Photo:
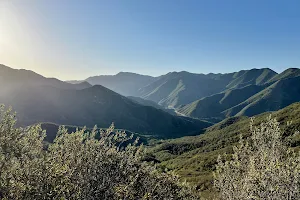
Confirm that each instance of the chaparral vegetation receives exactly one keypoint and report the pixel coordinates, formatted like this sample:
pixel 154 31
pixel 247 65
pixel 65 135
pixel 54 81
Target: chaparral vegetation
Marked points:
pixel 262 167
pixel 78 166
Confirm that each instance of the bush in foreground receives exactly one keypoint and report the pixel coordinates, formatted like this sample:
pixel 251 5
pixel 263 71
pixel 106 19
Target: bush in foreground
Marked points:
pixel 77 166
pixel 262 167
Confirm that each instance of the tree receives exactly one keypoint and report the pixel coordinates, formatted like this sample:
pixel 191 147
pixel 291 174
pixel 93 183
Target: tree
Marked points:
pixel 78 166
pixel 262 167
pixel 21 150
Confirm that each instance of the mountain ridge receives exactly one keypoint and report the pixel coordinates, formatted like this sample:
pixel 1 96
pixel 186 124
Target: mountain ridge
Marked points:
pixel 209 97
pixel 246 100
pixel 38 99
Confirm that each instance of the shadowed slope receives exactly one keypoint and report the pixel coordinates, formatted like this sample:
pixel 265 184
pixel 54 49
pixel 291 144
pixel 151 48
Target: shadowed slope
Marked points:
pixel 96 105
pixel 13 78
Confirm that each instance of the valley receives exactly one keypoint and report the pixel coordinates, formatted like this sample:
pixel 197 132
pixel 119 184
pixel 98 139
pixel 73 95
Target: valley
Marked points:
pixel 149 100
pixel 184 124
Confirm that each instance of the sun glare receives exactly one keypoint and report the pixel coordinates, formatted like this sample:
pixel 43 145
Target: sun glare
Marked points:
pixel 2 40
pixel 2 36
pixel 3 28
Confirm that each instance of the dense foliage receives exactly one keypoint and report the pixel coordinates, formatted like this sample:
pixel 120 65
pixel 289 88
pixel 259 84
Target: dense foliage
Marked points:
pixel 262 167
pixel 194 158
pixel 77 166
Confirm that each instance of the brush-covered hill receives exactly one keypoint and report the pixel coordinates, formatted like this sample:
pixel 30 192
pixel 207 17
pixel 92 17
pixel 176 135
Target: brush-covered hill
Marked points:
pixel 280 91
pixel 194 158
pixel 213 106
pixel 180 88
pixel 288 73
pixel 125 83
pixel 276 96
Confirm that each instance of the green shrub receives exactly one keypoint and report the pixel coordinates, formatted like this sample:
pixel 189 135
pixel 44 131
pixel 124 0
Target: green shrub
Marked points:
pixel 262 167
pixel 78 166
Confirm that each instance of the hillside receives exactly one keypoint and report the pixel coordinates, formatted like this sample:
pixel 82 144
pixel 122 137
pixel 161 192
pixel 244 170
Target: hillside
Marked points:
pixel 96 105
pixel 258 97
pixel 251 77
pixel 194 158
pixel 289 73
pixel 278 95
pixel 212 106
pixel 243 93
pixel 180 88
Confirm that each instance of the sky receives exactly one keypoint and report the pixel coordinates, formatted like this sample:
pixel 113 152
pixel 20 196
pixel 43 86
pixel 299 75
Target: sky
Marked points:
pixel 75 39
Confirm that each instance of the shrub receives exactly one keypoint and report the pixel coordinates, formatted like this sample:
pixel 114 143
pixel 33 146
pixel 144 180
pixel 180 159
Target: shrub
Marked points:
pixel 78 166
pixel 262 167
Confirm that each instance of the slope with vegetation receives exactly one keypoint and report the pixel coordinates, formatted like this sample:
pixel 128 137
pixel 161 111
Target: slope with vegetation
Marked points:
pixel 278 95
pixel 212 97
pixel 194 158
pixel 213 106
pixel 78 166
pixel 94 164
pixel 262 167
pixel 279 92
pixel 288 73
pixel 179 88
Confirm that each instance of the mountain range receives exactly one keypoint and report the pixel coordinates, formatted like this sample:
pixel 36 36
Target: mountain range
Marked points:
pixel 200 115
pixel 171 105
pixel 180 88
pixel 39 99
pixel 124 83
pixel 278 92
pixel 211 97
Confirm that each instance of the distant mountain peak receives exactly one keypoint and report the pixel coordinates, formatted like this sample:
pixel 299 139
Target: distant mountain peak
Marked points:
pixel 121 73
pixel 292 69
pixel 129 74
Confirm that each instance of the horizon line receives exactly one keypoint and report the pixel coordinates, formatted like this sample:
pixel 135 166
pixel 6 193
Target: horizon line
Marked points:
pixel 255 68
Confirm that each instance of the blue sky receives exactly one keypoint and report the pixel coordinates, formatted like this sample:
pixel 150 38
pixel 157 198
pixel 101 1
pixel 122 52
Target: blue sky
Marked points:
pixel 72 39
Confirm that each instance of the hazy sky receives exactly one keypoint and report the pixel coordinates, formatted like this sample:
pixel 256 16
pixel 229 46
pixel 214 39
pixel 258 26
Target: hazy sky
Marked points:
pixel 72 39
